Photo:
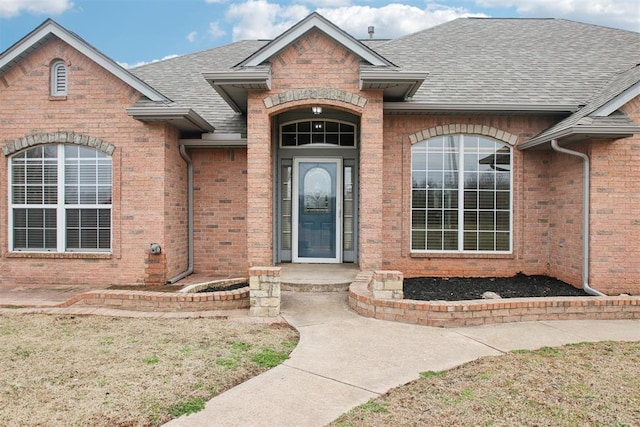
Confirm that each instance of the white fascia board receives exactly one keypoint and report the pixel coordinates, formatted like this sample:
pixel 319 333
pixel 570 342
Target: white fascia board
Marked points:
pixel 615 103
pixel 51 27
pixel 413 80
pixel 438 107
pixel 618 131
pixel 317 21
pixel 260 77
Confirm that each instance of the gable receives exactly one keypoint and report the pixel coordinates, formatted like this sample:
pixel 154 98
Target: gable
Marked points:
pixel 51 30
pixel 314 21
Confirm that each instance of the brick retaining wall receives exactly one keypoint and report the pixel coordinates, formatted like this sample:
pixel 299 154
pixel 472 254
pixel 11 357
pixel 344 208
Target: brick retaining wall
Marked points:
pixel 163 301
pixel 479 312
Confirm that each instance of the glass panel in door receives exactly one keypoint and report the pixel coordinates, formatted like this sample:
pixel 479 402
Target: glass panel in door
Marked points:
pixel 317 209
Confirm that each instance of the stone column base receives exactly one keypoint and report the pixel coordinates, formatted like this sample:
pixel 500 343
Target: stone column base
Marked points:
pixel 264 291
pixel 387 285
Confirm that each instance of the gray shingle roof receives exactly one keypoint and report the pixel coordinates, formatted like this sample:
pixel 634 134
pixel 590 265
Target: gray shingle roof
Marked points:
pixel 514 61
pixel 180 79
pixel 468 61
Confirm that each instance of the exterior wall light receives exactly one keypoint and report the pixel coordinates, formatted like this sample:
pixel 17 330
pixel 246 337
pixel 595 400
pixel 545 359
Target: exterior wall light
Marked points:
pixel 316 110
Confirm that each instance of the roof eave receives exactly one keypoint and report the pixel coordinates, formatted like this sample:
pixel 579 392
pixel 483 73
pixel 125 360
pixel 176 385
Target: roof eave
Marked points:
pixel 233 86
pixel 391 82
pixel 182 118
pixel 604 132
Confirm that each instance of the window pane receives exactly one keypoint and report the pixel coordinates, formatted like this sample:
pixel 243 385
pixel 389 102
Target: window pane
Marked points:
pixel 418 240
pixel 434 240
pixel 419 199
pixel 486 241
pixel 419 218
pixel 419 179
pixel 34 229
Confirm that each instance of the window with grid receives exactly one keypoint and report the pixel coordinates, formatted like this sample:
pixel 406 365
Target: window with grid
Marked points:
pixel 58 78
pixel 461 195
pixel 318 132
pixel 60 199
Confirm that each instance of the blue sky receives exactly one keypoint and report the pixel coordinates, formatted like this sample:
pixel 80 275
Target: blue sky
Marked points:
pixel 139 31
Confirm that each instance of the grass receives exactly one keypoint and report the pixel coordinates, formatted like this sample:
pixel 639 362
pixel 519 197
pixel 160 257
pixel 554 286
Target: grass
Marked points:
pixel 102 371
pixel 595 384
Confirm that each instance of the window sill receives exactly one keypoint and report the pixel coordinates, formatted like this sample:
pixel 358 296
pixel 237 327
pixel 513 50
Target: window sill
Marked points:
pixel 461 255
pixel 57 97
pixel 60 255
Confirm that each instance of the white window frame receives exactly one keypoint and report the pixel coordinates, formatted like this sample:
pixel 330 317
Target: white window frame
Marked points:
pixel 61 210
pixel 460 209
pixel 59 78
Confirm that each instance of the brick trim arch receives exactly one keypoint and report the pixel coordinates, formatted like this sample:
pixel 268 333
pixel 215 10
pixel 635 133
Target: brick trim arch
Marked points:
pixel 315 93
pixel 458 128
pixel 57 138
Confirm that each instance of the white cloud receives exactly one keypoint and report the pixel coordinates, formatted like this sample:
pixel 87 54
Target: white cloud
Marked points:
pixel 48 7
pixel 615 13
pixel 258 19
pixel 191 37
pixel 215 30
pixel 392 20
pixel 138 64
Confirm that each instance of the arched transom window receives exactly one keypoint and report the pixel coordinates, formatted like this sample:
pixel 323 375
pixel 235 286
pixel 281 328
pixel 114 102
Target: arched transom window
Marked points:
pixel 60 199
pixel 461 195
pixel 318 133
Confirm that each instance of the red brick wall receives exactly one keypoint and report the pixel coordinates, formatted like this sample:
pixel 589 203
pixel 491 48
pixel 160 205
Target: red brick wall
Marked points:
pixel 95 106
pixel 175 207
pixel 615 212
pixel 565 217
pixel 220 211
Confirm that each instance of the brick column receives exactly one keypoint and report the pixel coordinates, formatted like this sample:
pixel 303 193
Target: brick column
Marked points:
pixel 259 183
pixel 371 183
pixel 264 291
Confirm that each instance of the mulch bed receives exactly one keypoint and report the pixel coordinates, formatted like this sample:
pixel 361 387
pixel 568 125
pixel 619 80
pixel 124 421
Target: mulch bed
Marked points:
pixel 223 288
pixel 468 288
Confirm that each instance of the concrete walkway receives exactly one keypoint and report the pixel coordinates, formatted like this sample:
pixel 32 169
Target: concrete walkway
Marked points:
pixel 344 360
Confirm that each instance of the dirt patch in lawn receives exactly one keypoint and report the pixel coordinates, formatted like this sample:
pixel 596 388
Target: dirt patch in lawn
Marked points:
pixel 576 385
pixel 467 288
pixel 102 371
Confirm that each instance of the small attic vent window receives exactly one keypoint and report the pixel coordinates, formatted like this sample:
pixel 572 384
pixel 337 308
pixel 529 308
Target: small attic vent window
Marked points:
pixel 58 78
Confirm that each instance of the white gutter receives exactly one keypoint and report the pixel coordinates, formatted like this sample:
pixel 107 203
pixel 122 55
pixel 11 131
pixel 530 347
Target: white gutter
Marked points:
pixel 189 270
pixel 585 216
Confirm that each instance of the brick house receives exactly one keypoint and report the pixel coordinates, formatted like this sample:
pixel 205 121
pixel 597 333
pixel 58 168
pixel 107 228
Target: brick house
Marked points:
pixel 467 149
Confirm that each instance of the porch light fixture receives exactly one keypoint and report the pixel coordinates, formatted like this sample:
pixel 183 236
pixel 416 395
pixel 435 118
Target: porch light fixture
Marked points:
pixel 316 110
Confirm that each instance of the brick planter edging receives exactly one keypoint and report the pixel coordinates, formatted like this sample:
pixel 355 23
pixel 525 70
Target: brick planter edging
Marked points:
pixel 163 301
pixel 448 314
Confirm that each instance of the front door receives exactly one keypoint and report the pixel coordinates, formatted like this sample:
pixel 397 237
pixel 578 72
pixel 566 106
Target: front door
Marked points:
pixel 317 205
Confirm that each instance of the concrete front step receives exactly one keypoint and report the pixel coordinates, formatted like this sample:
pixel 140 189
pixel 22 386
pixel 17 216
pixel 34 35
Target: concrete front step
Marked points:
pixel 317 277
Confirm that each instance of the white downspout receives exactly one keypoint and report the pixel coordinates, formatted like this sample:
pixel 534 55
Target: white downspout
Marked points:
pixel 585 216
pixel 189 270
